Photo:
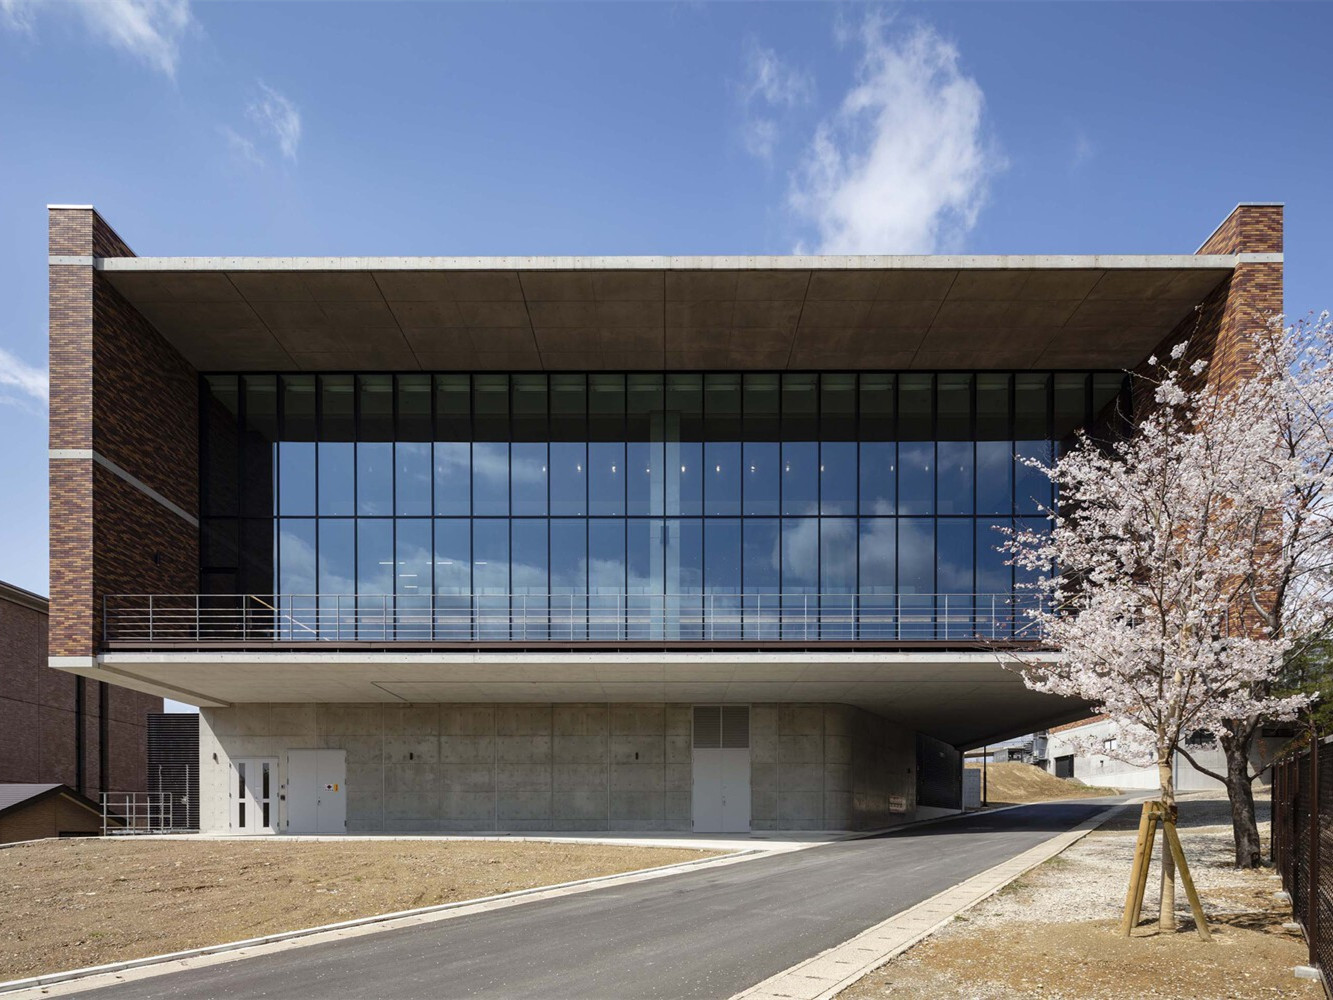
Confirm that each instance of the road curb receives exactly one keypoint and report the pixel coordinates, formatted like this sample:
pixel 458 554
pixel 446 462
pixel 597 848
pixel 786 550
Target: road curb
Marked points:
pixel 97 976
pixel 829 973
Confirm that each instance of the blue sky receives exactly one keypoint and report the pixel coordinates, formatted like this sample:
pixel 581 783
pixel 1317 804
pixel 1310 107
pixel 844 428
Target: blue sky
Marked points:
pixel 421 128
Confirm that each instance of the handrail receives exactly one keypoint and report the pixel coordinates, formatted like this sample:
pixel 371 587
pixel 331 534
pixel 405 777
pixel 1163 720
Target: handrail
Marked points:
pixel 580 616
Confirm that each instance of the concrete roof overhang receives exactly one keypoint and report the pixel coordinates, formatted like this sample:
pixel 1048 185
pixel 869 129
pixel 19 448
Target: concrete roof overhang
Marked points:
pixel 665 313
pixel 965 699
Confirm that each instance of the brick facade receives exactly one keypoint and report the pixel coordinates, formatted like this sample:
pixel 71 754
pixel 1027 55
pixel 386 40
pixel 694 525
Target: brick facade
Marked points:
pixel 120 390
pixel 47 717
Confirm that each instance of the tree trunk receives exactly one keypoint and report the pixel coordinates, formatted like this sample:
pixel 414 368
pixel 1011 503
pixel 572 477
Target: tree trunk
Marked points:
pixel 1166 914
pixel 1240 790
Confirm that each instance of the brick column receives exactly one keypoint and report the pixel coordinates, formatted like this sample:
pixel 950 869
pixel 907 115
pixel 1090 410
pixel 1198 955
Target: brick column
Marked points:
pixel 124 479
pixel 1254 291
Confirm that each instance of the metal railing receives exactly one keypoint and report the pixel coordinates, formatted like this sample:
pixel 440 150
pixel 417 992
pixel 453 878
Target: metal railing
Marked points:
pixel 137 812
pixel 1302 846
pixel 179 618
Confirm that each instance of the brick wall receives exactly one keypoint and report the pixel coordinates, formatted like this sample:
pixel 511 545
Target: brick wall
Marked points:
pixel 119 389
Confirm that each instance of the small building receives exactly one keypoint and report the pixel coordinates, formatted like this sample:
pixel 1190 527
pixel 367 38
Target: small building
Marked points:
pixel 1073 751
pixel 38 811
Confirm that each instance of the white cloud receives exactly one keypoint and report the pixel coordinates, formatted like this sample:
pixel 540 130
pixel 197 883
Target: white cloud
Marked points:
pixel 149 30
pixel 770 89
pixel 275 115
pixel 242 146
pixel 903 165
pixel 1084 150
pixel 21 384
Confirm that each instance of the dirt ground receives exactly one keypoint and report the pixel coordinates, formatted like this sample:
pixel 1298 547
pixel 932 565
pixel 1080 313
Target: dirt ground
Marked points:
pixel 1011 783
pixel 72 904
pixel 1054 933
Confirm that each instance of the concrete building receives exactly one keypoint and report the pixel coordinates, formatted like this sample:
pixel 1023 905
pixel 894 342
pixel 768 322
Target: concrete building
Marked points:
pixel 585 542
pixel 1087 751
pixel 61 728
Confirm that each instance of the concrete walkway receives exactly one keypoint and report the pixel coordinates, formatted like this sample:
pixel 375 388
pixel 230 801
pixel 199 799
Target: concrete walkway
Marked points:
pixel 707 934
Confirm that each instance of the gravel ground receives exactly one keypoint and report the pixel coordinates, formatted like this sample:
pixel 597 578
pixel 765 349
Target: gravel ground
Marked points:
pixel 1054 933
pixel 72 904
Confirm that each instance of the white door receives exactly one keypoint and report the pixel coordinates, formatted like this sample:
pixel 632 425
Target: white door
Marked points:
pixel 722 768
pixel 316 791
pixel 253 781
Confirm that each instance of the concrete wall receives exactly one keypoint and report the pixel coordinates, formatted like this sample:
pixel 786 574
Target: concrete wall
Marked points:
pixel 1094 768
pixel 461 767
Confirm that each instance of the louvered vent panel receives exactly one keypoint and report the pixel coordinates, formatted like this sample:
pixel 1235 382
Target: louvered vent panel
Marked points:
pixel 735 727
pixel 707 727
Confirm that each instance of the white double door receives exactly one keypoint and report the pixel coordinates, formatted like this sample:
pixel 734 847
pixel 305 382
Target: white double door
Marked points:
pixel 721 768
pixel 254 785
pixel 316 791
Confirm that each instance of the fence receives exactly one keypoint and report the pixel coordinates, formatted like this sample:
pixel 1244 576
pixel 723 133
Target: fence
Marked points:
pixel 175 618
pixel 1302 844
pixel 138 812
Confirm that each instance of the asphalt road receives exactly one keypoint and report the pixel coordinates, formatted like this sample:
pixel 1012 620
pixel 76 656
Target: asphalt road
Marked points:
pixel 703 934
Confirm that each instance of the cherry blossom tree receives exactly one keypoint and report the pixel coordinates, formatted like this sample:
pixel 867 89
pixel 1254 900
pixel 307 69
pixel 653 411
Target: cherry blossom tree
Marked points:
pixel 1192 557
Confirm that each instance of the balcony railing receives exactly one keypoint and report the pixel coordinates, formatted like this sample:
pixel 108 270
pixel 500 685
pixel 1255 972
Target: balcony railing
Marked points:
pixel 341 618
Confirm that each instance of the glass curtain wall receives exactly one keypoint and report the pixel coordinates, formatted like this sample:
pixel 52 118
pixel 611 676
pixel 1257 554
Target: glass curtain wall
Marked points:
pixel 633 506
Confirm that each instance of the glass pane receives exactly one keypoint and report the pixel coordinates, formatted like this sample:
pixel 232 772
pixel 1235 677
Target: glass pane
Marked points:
pixel 1071 407
pixel 413 578
pixel 490 577
pixel 722 482
pixel 684 579
pixel 916 578
pixel 995 605
pixel 722 450
pixel 837 578
pixel 527 465
pixel 297 579
pixel 258 450
pixel 800 576
pixel 375 394
pixel 412 452
pixel 490 450
pixel 569 481
pixel 837 453
pixel 956 463
pixel 412 477
pixel 1032 488
pixel 606 478
pixel 879 474
pixel 953 574
pixel 529 407
pixel 569 578
pixel 644 552
pixel 453 477
pixel 220 451
pixel 683 434
pixel 722 578
pixel 606 578
pixel 916 452
pixel 761 566
pixel 337 454
pixel 837 477
pixel 490 478
pixel 453 578
pixel 337 578
pixel 374 578
pixel 877 616
pixel 995 468
pixel 1110 413
pixel 490 556
pixel 645 459
pixel 531 583
pixel 374 477
pixel 296 478
pixel 606 448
